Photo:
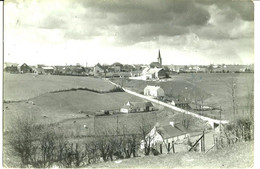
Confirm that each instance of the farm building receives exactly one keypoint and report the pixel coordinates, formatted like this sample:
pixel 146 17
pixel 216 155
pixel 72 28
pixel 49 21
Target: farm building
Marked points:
pixel 181 104
pixel 24 68
pixel 167 134
pixel 130 107
pixel 38 71
pixel 48 69
pixel 154 91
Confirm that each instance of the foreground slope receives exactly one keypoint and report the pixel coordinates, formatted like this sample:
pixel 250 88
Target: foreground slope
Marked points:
pixel 239 155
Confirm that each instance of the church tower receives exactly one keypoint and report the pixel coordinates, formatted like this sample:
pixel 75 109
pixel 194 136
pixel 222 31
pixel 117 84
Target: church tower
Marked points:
pixel 159 58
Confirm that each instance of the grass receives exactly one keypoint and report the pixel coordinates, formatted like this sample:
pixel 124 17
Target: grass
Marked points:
pixel 26 86
pixel 213 87
pixel 239 155
pixel 67 105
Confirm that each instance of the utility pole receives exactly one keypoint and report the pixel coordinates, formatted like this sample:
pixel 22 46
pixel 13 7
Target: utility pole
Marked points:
pixel 117 125
pixel 220 119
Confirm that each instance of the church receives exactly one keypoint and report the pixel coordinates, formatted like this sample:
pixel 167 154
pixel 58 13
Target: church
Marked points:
pixel 154 70
pixel 157 64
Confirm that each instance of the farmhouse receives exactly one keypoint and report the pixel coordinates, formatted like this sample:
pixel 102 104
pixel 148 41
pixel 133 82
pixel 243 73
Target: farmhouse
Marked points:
pixel 167 134
pixel 131 107
pixel 24 68
pixel 154 91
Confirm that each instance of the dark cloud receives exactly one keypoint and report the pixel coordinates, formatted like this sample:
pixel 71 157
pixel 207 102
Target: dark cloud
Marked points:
pixel 245 8
pixel 151 11
pixel 137 21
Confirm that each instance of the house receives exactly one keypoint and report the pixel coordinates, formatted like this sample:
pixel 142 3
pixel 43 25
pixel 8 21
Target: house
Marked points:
pixel 38 71
pixel 24 68
pixel 167 135
pixel 99 69
pixel 153 73
pixel 117 67
pixel 154 91
pixel 131 107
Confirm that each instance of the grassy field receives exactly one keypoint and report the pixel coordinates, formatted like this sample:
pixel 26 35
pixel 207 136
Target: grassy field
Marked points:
pixel 239 155
pixel 26 86
pixel 56 107
pixel 213 88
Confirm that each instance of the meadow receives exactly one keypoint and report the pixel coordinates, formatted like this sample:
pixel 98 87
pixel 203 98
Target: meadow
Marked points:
pixel 26 86
pixel 214 89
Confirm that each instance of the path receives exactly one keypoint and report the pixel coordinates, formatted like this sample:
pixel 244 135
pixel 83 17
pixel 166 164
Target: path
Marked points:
pixel 210 120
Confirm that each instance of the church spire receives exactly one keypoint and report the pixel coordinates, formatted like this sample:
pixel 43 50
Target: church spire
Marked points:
pixel 159 58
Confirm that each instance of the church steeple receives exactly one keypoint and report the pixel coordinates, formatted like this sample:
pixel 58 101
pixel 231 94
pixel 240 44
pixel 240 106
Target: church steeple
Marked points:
pixel 159 58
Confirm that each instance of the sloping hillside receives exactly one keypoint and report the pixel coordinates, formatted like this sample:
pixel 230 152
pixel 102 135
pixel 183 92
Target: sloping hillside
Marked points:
pixel 26 86
pixel 236 156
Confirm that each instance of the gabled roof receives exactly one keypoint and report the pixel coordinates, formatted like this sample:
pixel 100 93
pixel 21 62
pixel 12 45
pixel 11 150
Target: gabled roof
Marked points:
pixel 154 70
pixel 101 67
pixel 169 131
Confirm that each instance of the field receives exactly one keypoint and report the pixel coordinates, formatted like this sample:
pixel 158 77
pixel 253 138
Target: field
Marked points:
pixel 213 88
pixel 26 86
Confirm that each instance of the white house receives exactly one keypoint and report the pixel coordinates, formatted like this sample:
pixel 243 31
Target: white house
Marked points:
pixel 154 91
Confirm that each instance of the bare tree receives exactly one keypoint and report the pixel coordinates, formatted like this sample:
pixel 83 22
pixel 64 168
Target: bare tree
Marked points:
pixel 22 137
pixel 145 128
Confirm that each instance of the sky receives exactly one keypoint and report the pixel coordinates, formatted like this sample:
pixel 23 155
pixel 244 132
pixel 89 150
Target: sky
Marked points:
pixel 59 32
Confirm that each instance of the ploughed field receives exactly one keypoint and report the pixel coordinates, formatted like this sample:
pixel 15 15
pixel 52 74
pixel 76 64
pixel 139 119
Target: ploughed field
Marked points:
pixel 213 88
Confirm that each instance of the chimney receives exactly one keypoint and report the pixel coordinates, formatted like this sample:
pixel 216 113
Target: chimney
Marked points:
pixel 172 123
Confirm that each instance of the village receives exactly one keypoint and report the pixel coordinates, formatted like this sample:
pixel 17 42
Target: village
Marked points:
pixel 152 71
pixel 128 84
pixel 166 135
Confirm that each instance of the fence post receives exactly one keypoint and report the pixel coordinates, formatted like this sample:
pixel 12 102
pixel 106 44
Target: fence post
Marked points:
pixel 161 148
pixel 203 142
pixel 169 147
pixel 173 149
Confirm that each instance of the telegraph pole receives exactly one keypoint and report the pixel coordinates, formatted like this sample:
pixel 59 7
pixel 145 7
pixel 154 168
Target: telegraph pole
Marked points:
pixel 117 125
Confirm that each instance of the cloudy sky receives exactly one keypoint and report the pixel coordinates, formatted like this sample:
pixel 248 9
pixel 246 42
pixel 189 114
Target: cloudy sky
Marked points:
pixel 58 32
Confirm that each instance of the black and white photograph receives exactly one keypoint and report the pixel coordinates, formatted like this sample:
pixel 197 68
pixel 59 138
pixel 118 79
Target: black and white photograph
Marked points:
pixel 128 84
